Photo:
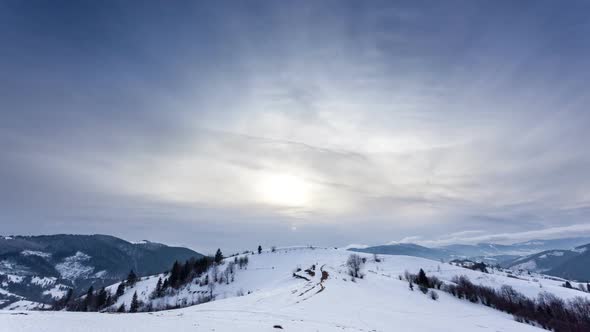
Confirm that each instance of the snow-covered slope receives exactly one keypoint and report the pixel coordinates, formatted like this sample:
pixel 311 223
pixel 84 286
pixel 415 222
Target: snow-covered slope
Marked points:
pixel 378 302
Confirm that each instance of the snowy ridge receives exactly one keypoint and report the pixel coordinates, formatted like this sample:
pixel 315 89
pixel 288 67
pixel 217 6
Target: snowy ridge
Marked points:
pixel 35 253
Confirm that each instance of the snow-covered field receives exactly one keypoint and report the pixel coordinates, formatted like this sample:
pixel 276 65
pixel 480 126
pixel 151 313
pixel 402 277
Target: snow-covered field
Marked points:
pixel 378 302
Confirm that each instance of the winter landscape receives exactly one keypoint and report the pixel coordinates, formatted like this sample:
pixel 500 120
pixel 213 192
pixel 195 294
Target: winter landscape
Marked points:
pixel 308 165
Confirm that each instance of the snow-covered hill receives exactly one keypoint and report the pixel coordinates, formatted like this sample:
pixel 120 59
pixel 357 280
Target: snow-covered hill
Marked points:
pixel 378 302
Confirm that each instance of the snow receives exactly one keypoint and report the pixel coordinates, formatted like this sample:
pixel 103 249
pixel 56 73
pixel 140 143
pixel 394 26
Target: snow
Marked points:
pixel 379 302
pixel 356 246
pixel 73 268
pixel 57 292
pixel 14 278
pixel 528 265
pixel 580 250
pixel 35 253
pixel 43 281
pixel 24 305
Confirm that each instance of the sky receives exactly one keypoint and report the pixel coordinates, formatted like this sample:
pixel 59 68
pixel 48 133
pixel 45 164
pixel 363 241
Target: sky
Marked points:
pixel 228 124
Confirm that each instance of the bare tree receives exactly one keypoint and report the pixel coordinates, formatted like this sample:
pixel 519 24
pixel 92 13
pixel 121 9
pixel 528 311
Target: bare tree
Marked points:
pixel 354 263
pixel 211 287
pixel 215 273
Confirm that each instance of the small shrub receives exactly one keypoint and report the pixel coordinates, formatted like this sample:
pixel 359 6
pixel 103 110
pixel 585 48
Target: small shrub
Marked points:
pixel 433 295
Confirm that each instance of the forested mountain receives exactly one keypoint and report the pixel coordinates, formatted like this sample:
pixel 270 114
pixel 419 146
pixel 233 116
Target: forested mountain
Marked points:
pixel 42 268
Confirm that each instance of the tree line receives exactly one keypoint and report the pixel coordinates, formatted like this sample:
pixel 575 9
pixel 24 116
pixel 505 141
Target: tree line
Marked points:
pixel 546 311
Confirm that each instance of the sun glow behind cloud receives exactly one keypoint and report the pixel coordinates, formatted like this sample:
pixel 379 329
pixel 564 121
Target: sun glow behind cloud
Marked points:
pixel 284 190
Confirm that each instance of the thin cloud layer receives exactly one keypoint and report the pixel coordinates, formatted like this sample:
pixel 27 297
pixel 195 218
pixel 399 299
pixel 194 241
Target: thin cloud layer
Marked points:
pixel 284 123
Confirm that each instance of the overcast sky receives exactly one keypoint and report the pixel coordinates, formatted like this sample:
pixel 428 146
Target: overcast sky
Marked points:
pixel 292 122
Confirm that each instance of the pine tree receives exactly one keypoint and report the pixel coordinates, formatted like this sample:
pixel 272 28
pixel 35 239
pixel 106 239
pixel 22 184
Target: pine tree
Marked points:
pixel 159 285
pixel 89 301
pixel 165 284
pixel 175 274
pixel 121 308
pixel 422 279
pixel 131 278
pixel 159 291
pixel 185 272
pixel 120 289
pixel 101 298
pixel 218 256
pixel 259 249
pixel 134 303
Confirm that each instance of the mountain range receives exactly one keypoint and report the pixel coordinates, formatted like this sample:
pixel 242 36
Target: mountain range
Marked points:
pixel 567 258
pixel 571 264
pixel 43 268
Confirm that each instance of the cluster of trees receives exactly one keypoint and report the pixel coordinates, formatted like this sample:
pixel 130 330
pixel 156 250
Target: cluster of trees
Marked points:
pixel 424 283
pixel 94 300
pixel 204 271
pixel 181 274
pixel 547 311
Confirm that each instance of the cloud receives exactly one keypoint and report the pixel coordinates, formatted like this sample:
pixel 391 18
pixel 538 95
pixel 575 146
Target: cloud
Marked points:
pixel 392 124
pixel 471 237
pixel 408 239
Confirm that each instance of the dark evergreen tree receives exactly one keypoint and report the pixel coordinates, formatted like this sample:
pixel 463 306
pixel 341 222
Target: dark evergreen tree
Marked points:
pixel 159 285
pixel 134 303
pixel 121 308
pixel 101 298
pixel 89 300
pixel 174 279
pixel 218 256
pixel 259 249
pixel 120 289
pixel 158 292
pixel 165 284
pixel 131 278
pixel 422 279
pixel 185 272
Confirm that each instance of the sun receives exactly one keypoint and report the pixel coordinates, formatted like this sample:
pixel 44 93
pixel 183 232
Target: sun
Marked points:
pixel 284 190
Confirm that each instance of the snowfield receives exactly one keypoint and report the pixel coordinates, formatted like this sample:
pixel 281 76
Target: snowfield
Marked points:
pixel 378 302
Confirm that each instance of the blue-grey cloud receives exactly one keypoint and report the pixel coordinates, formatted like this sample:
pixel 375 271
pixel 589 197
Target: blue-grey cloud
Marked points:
pixel 330 122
